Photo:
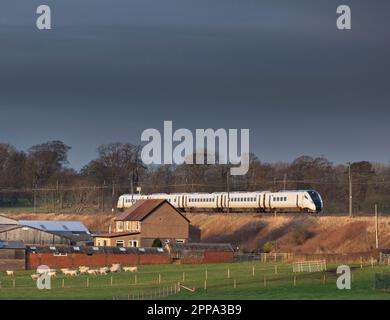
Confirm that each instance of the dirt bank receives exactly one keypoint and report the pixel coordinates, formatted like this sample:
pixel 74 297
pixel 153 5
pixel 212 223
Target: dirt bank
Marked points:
pixel 304 234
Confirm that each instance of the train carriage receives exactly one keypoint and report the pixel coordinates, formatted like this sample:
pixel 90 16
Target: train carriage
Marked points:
pixel 266 201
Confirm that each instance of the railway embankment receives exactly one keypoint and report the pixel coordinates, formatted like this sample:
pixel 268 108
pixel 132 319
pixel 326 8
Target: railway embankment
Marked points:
pixel 253 232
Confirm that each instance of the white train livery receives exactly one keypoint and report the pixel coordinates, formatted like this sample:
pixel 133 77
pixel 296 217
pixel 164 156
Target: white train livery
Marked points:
pixel 263 201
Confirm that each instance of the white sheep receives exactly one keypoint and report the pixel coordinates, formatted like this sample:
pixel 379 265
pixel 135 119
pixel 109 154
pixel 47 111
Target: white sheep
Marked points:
pixel 10 273
pixel 93 272
pixel 115 268
pixel 35 276
pixel 130 269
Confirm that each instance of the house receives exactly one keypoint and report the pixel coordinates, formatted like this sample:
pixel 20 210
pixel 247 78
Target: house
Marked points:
pixel 145 222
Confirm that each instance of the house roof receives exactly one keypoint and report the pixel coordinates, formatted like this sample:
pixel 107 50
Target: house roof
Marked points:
pixel 56 226
pixel 143 208
pixel 115 235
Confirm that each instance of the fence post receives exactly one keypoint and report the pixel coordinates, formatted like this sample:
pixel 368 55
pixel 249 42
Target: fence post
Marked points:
pixel 361 262
pixel 276 269
pixel 253 271
pixel 88 282
pixel 205 284
pixel 228 273
pixel 295 281
pixel 14 283
pixel 265 282
pixel 63 283
pixel 184 276
pixel 159 278
pixel 206 274
pixel 135 279
pixel 111 281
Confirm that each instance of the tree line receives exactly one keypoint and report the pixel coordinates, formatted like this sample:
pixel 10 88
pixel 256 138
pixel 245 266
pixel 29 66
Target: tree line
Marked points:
pixel 41 178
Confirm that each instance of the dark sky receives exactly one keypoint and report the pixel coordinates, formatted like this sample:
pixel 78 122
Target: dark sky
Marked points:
pixel 110 69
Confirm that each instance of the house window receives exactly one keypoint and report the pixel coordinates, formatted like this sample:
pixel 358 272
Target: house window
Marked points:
pixel 133 243
pixel 120 243
pixel 180 241
pixel 119 226
pixel 138 226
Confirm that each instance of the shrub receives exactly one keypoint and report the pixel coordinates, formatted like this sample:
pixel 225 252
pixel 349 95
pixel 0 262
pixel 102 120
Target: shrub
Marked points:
pixel 157 243
pixel 268 246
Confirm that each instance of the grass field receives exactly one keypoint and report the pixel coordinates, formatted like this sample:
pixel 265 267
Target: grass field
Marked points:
pixel 242 284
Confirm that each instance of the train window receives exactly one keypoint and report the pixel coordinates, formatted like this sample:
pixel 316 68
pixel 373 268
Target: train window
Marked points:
pixel 285 198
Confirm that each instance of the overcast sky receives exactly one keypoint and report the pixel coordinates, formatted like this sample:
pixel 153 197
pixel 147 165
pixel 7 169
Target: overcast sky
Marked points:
pixel 110 69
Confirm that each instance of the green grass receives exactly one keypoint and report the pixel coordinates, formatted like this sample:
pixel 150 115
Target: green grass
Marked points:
pixel 278 286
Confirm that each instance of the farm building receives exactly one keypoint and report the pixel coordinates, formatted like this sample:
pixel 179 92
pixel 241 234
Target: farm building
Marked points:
pixel 144 222
pixel 73 256
pixel 44 232
pixel 30 235
pixel 196 253
pixel 12 255
pixel 74 231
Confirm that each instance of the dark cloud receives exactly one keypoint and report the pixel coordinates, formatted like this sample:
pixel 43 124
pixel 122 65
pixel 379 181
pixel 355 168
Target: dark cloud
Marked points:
pixel 108 70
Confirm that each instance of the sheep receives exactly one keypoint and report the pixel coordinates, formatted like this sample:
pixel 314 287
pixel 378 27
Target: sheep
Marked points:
pixel 83 270
pixel 130 269
pixel 10 273
pixel 93 272
pixel 35 276
pixel 72 273
pixel 115 268
pixel 64 270
pixel 52 274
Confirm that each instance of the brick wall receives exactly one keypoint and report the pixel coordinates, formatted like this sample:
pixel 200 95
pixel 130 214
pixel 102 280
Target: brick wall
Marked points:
pixel 74 260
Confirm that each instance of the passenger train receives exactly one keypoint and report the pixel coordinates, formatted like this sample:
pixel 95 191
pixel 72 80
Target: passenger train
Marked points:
pixel 262 201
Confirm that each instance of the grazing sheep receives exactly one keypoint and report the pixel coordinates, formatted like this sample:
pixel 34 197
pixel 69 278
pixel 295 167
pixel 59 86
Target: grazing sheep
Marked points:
pixel 65 270
pixel 10 273
pixel 93 272
pixel 72 273
pixel 115 268
pixel 35 276
pixel 52 274
pixel 130 269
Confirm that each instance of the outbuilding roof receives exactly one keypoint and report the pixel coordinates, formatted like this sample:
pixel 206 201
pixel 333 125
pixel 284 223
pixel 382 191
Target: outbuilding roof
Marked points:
pixel 93 250
pixel 56 226
pixel 143 208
